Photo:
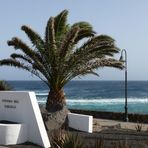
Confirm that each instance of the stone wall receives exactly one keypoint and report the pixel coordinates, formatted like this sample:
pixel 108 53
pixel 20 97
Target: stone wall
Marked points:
pixel 113 115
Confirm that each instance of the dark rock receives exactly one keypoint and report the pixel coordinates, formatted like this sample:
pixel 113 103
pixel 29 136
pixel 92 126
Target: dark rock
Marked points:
pixel 55 120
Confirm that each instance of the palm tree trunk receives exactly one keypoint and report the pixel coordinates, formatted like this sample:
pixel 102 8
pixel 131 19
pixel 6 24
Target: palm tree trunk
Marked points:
pixel 56 100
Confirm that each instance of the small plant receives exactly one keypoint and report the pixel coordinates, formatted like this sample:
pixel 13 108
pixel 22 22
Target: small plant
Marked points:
pixel 63 140
pixel 57 137
pixel 138 127
pixel 72 141
pixel 147 129
pixel 121 144
pixel 99 143
pixel 4 86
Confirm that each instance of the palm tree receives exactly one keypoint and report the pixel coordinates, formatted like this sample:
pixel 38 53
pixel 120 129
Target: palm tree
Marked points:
pixel 61 56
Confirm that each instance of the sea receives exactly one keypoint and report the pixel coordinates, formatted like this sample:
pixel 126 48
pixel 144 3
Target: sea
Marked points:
pixel 94 95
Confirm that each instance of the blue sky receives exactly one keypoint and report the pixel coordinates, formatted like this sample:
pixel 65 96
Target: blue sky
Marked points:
pixel 126 21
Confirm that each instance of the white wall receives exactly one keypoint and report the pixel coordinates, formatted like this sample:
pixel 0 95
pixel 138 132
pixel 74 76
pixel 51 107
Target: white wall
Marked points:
pixel 13 134
pixel 23 107
pixel 80 122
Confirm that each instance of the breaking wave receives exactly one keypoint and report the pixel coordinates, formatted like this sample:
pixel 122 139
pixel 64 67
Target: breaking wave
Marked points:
pixel 42 99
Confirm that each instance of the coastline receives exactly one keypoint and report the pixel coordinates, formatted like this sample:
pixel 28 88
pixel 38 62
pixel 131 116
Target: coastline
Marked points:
pixel 94 95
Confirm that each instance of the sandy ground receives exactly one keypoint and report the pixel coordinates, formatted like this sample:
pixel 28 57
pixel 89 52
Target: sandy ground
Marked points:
pixel 101 124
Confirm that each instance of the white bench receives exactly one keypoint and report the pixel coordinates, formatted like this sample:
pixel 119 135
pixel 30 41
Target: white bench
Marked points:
pixel 80 122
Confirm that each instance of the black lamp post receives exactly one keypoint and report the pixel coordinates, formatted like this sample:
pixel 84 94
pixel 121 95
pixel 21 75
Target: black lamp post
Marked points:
pixel 125 61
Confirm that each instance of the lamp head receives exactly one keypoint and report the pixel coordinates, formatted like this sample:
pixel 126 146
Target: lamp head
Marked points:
pixel 121 58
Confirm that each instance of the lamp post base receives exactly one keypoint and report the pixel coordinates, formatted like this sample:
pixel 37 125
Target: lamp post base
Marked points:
pixel 126 112
pixel 126 119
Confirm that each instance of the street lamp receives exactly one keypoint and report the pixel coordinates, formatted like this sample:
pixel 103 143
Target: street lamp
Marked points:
pixel 125 61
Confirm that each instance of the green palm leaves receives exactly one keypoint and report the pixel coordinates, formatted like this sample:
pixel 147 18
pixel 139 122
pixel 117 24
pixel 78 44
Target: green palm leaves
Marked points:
pixel 59 57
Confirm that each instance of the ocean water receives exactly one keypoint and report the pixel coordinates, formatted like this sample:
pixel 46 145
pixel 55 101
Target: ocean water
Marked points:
pixel 94 95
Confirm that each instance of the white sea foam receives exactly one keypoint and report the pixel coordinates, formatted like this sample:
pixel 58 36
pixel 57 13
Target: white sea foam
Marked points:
pixel 103 101
pixel 41 101
pixel 41 94
pixel 107 101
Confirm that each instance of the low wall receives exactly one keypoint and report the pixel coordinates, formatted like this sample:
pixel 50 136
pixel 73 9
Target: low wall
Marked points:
pixel 12 134
pixel 80 122
pixel 113 115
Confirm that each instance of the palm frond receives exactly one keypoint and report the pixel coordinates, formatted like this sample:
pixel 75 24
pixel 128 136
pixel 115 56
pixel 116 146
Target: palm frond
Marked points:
pixel 40 67
pixel 83 25
pixel 69 40
pixel 60 24
pixel 94 64
pixel 91 51
pixel 86 31
pixel 35 65
pixel 89 67
pixel 96 47
pixel 50 33
pixel 17 64
pixel 98 41
pixel 18 44
pixel 106 62
pixel 14 63
pixel 20 56
pixel 33 36
pixel 50 42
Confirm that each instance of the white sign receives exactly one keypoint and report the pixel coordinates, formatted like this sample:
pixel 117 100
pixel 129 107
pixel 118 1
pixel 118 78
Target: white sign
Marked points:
pixel 22 107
